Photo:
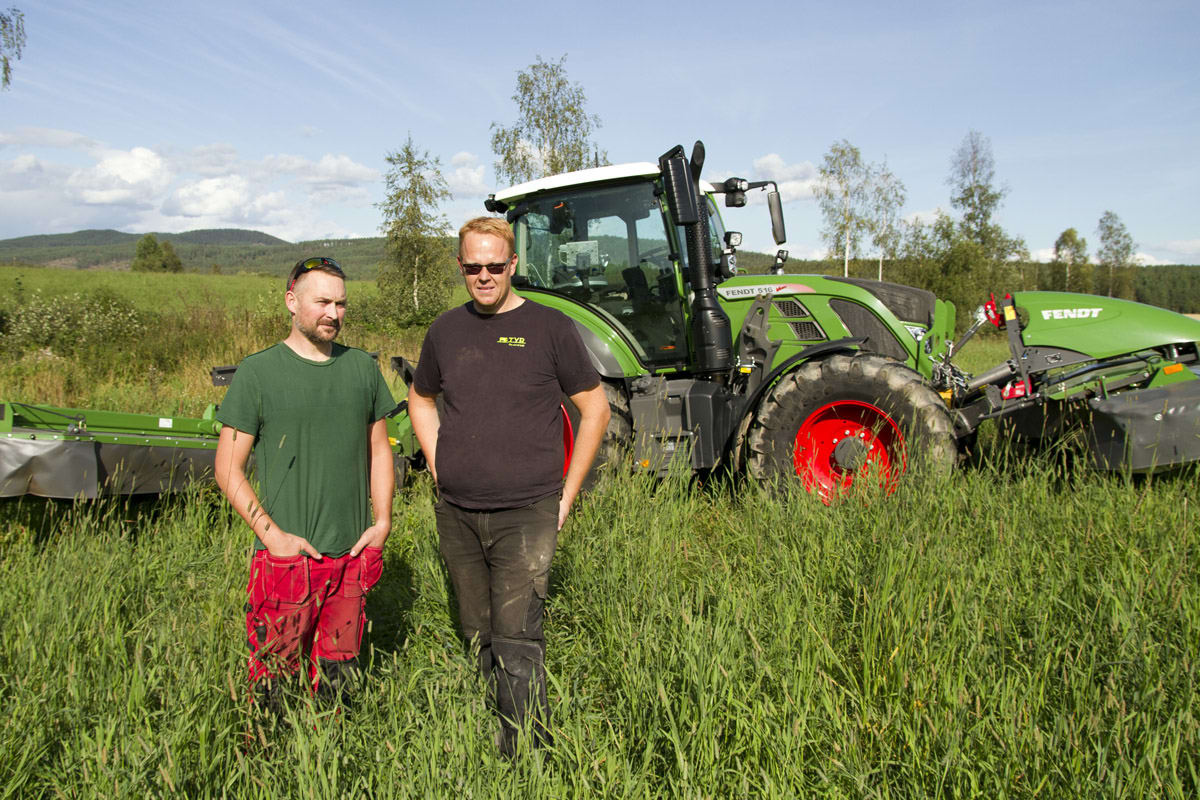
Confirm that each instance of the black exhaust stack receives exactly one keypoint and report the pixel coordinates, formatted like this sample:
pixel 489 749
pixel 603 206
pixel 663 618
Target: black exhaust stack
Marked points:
pixel 712 335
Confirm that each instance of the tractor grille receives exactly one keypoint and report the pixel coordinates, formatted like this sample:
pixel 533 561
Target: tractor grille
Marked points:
pixel 806 331
pixel 791 308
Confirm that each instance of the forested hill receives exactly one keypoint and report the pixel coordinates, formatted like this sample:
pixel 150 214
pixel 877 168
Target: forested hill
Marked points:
pixel 226 250
pixel 231 251
pixel 108 236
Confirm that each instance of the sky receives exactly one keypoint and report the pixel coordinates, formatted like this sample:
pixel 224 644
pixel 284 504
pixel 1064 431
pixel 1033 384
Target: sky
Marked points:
pixel 278 116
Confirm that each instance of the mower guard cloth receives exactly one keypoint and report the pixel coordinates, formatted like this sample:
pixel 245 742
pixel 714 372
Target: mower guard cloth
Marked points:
pixel 47 466
pixel 1146 430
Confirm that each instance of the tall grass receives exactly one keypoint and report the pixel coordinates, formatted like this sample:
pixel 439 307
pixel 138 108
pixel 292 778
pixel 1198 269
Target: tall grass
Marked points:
pixel 1016 629
pixel 138 345
pixel 1008 632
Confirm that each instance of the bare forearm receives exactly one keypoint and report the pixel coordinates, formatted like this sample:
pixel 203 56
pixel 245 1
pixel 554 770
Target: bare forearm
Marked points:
pixel 587 443
pixel 245 502
pixel 382 475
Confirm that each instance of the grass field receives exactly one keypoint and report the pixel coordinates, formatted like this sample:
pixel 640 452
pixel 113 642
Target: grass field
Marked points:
pixel 1017 629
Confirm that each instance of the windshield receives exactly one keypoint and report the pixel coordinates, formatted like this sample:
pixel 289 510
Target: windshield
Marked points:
pixel 608 247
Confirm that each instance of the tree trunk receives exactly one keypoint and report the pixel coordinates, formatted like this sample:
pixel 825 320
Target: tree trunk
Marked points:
pixel 416 302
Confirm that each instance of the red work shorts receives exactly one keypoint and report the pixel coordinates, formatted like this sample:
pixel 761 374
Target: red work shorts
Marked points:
pixel 299 608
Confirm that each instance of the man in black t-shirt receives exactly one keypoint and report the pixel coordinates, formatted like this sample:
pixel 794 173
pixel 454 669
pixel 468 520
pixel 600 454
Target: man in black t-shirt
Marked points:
pixel 501 365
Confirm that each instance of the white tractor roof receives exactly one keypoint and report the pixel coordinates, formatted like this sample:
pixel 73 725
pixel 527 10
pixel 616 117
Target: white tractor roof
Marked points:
pixel 637 169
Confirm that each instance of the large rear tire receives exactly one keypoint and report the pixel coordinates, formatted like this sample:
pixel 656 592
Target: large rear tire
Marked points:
pixel 848 418
pixel 618 436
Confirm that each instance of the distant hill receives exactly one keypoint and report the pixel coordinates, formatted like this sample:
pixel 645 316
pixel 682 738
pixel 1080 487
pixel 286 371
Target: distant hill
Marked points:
pixel 225 250
pixel 108 236
pixel 233 250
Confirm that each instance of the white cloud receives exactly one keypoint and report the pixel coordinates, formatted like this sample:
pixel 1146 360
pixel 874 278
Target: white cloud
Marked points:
pixel 211 186
pixel 339 170
pixel 466 176
pixel 135 177
pixel 227 197
pixel 1042 254
pixel 1147 260
pixel 796 181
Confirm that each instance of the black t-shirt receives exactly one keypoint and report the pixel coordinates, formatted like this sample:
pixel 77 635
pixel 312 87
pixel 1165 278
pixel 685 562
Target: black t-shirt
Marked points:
pixel 502 377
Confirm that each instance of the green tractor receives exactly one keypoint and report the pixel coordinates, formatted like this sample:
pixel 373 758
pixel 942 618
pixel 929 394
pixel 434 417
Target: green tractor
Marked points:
pixel 810 379
pixel 819 379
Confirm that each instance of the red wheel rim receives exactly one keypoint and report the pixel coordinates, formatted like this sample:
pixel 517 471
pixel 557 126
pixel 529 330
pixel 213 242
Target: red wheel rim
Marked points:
pixel 845 440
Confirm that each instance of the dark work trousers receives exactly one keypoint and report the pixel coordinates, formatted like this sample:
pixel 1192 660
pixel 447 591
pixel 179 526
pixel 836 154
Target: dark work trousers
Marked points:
pixel 499 562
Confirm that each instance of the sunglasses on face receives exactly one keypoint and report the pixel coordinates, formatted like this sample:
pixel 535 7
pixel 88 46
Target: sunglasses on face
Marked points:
pixel 309 264
pixel 475 269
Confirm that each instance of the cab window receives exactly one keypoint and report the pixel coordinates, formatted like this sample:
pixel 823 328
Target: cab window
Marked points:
pixel 608 247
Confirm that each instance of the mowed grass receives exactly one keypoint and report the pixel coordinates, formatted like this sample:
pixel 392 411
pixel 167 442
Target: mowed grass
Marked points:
pixel 1016 629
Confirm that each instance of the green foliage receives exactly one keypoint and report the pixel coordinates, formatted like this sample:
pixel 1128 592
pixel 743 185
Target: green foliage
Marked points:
pixel 170 259
pixel 1070 271
pixel 1173 287
pixel 886 198
pixel 973 192
pixel 152 256
pixel 843 193
pixel 1116 274
pixel 148 257
pixel 416 277
pixel 553 131
pixel 73 324
pixel 12 41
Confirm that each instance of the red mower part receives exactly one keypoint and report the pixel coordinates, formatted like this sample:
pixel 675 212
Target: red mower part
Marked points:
pixel 568 438
pixel 843 440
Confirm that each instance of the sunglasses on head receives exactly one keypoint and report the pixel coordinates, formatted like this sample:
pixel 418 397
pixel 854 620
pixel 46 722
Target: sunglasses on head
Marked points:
pixel 309 264
pixel 475 269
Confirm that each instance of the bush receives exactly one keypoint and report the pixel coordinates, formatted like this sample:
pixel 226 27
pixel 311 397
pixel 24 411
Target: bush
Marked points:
pixel 69 324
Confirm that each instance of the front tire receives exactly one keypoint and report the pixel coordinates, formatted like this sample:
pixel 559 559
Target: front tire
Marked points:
pixel 848 418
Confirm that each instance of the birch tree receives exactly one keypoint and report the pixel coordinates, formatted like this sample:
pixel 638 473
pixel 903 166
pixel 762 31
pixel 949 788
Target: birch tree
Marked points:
pixel 553 131
pixel 416 277
pixel 842 192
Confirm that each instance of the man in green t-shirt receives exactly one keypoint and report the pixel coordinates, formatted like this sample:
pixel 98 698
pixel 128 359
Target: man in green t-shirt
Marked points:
pixel 313 413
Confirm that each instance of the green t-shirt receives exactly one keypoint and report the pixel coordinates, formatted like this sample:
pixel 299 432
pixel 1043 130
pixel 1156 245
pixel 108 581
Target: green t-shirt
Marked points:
pixel 310 421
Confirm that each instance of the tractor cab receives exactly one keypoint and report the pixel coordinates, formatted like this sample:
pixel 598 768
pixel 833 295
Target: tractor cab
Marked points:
pixel 603 238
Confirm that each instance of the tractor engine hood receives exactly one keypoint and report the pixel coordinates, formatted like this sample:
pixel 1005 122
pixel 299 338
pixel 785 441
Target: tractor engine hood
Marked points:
pixel 1100 327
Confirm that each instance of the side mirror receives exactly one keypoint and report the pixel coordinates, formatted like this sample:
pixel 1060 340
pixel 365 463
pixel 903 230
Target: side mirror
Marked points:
pixel 776 206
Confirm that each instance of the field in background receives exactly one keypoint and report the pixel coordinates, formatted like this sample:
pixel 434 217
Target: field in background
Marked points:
pixel 1019 629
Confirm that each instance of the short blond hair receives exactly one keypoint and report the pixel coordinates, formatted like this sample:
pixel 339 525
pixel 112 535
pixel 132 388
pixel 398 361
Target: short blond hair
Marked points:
pixel 490 226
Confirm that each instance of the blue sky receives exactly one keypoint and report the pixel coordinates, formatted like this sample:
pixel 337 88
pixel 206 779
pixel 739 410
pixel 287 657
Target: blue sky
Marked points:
pixel 278 116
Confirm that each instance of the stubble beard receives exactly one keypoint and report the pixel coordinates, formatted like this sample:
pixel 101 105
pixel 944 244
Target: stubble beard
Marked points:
pixel 316 335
